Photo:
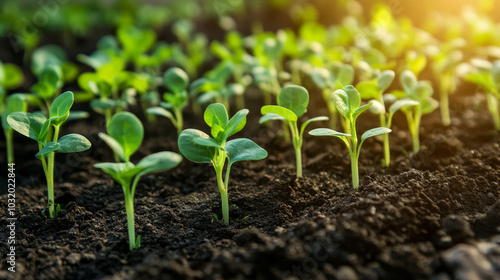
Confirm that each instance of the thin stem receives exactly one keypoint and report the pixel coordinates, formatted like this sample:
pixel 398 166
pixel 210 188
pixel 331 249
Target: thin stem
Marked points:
pixel 129 208
pixel 223 186
pixel 297 145
pixel 179 120
pixel 10 145
pixel 354 155
pixel 50 176
pixel 493 108
pixel 444 99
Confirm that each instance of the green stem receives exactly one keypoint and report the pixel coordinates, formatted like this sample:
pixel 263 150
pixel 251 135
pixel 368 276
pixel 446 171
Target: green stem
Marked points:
pixel 223 186
pixel 354 155
pixel 129 208
pixel 50 176
pixel 10 145
pixel 385 138
pixel 297 145
pixel 444 101
pixel 179 119
pixel 493 108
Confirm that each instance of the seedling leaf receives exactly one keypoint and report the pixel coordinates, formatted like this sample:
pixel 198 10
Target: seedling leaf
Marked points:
pixel 244 149
pixel 328 132
pixel 48 148
pixel 216 114
pixel 161 161
pixel 295 98
pixel 287 114
pixel 73 143
pixel 271 117
pixel 374 132
pixel 128 131
pixel 59 110
pixel 27 124
pixel 113 144
pixel 193 151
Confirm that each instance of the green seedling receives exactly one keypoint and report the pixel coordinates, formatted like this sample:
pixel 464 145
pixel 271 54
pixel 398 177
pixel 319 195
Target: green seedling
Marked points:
pixel 292 104
pixel 199 147
pixel 488 78
pixel 192 50
pixel 374 89
pixel 15 103
pixel 135 42
pixel 125 137
pixel 39 128
pixel 348 101
pixel 421 92
pixel 176 81
pixel 329 81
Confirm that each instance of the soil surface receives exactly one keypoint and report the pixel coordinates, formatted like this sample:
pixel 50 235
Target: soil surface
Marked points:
pixel 431 215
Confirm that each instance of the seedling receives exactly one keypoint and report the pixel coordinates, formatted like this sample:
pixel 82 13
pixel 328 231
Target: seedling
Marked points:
pixel 374 89
pixel 488 78
pixel 176 81
pixel 125 137
pixel 420 91
pixel 329 81
pixel 15 103
pixel 199 147
pixel 38 128
pixel 135 41
pixel 292 104
pixel 348 101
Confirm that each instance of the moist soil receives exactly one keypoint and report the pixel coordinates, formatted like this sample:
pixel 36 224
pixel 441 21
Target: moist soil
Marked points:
pixel 430 215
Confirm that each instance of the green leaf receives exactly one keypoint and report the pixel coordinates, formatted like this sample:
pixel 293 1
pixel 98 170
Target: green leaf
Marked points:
pixel 236 123
pixel 341 102
pixel 59 110
pixel 422 91
pixel 113 144
pixel 78 115
pixel 51 75
pixel 408 81
pixel 48 148
pixel 101 105
pixel 368 89
pixel 43 89
pixel 13 76
pixel 109 72
pixel 271 117
pixel 192 151
pixel 73 143
pixel 243 149
pixel 328 132
pixel 321 77
pixel 374 132
pixel 127 130
pixel 287 114
pixel 360 110
pixel 161 161
pixel 401 104
pixel 345 75
pixel 429 105
pixel 27 124
pixel 208 142
pixel 316 119
pixel 216 114
pixel 385 80
pixel 114 169
pixel 176 80
pixel 377 107
pixel 161 112
pixel 353 97
pixel 295 98
pixel 15 103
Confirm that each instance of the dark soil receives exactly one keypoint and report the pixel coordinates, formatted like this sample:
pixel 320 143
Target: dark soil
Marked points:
pixel 431 215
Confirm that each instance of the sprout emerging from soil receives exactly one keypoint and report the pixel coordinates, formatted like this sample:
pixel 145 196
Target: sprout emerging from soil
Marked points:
pixel 39 128
pixel 125 137
pixel 198 147
pixel 348 101
pixel 292 104
pixel 176 81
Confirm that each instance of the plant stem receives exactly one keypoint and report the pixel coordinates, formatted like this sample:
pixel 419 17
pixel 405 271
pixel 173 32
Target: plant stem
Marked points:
pixel 493 107
pixel 179 119
pixel 444 100
pixel 354 155
pixel 297 145
pixel 223 186
pixel 50 176
pixel 129 208
pixel 10 145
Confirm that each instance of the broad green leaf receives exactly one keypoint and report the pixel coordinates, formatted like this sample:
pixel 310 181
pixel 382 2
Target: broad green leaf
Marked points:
pixel 176 80
pixel 78 115
pixel 360 110
pixel 27 124
pixel 48 148
pixel 192 151
pixel 208 142
pixel 345 76
pixel 85 79
pixel 216 114
pixel 84 96
pixel 127 130
pixel 110 71
pixel 287 114
pixel 341 102
pixel 422 91
pixel 385 79
pixel 321 77
pixel 429 105
pixel 43 89
pixel 408 81
pixel 73 143
pixel 114 169
pixel 101 105
pixel 374 132
pixel 316 119
pixel 218 133
pixel 13 76
pixel 113 144
pixel 328 132
pixel 59 109
pixel 48 55
pixel 271 117
pixel 161 161
pixel 353 98
pixel 295 98
pixel 52 76
pixel 368 90
pixel 401 104
pixel 236 123
pixel 15 103
pixel 243 149
pixel 69 72
pixel 161 112
pixel 377 107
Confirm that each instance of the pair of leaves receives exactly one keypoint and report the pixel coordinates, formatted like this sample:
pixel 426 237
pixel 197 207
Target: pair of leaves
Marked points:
pixel 176 80
pixel 125 135
pixel 340 76
pixel 70 143
pixel 374 88
pixel 216 118
pixel 348 101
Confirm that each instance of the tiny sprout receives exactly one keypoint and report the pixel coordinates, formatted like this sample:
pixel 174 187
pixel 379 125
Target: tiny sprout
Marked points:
pixel 292 104
pixel 348 101
pixel 38 128
pixel 125 137
pixel 198 147
pixel 176 81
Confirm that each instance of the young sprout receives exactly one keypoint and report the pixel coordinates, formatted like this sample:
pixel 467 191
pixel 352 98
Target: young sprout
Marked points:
pixel 39 128
pixel 374 89
pixel 329 81
pixel 420 91
pixel 15 103
pixel 125 137
pixel 348 101
pixel 488 78
pixel 198 147
pixel 135 42
pixel 176 81
pixel 292 104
